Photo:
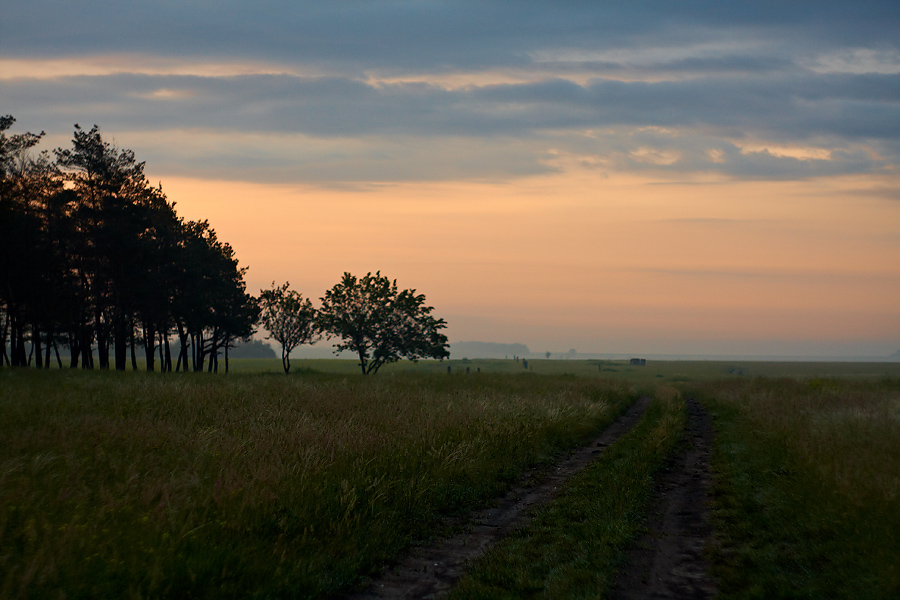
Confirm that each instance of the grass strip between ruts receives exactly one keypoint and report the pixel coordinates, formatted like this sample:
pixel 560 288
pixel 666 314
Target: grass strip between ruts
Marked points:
pixel 574 545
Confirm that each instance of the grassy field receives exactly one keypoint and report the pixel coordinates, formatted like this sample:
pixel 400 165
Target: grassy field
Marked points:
pixel 134 485
pixel 807 488
pixel 672 371
pixel 654 372
pixel 148 485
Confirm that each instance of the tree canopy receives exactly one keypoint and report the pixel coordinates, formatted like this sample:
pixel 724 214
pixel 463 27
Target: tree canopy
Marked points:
pixel 95 258
pixel 380 323
pixel 290 319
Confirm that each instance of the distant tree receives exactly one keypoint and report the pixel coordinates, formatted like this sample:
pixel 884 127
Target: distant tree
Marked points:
pixel 253 349
pixel 290 320
pixel 381 324
pixel 547 354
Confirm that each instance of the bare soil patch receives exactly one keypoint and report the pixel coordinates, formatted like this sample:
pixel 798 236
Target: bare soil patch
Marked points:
pixel 670 560
pixel 430 571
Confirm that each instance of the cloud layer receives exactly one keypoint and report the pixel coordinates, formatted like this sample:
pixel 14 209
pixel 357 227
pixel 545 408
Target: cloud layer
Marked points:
pixel 364 91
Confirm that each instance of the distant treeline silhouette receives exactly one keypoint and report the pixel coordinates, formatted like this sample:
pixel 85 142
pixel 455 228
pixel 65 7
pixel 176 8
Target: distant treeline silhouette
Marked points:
pixel 94 259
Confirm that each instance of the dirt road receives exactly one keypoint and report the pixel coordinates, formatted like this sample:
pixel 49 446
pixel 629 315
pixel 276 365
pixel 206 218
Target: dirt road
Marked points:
pixel 429 572
pixel 669 561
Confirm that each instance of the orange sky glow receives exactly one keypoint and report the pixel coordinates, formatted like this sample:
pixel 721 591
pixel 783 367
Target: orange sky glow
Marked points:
pixel 662 178
pixel 601 263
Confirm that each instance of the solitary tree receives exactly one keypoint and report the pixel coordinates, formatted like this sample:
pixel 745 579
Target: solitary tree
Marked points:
pixel 381 324
pixel 290 319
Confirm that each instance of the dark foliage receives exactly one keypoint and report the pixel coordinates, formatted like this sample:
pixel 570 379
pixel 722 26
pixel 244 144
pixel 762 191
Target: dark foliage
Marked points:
pixel 290 319
pixel 95 259
pixel 380 323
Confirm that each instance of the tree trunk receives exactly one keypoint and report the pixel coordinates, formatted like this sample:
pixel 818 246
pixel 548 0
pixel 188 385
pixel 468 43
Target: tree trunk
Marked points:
pixel 150 347
pixel 162 356
pixel 168 361
pixel 213 353
pixel 182 353
pixel 134 366
pixel 12 339
pixel 198 351
pixel 4 359
pixel 36 348
pixel 120 342
pixel 87 353
pixel 20 359
pixel 102 340
pixel 74 350
pixel 362 363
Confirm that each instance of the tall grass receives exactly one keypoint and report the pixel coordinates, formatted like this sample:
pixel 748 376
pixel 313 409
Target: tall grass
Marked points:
pixel 807 481
pixel 574 544
pixel 135 485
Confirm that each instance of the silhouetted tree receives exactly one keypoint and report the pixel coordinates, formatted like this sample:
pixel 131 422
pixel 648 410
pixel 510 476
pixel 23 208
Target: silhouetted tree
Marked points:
pixel 112 217
pixel 381 324
pixel 92 254
pixel 208 282
pixel 26 251
pixel 236 312
pixel 290 320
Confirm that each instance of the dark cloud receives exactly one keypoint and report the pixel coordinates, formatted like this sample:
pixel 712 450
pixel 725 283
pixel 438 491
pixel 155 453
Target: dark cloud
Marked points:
pixel 428 35
pixel 831 113
pixel 597 81
pixel 847 106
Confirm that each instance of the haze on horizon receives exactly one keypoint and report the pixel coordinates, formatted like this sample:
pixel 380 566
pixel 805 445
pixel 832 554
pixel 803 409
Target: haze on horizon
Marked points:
pixel 690 178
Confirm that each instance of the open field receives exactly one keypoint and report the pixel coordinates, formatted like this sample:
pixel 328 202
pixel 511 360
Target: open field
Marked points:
pixel 806 488
pixel 673 371
pixel 654 372
pixel 132 484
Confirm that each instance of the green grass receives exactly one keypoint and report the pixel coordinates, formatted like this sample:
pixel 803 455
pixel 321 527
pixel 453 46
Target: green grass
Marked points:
pixel 134 485
pixel 807 488
pixel 655 371
pixel 674 371
pixel 573 546
pixel 257 484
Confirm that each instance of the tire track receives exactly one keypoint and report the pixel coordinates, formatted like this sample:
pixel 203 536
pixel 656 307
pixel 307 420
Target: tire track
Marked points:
pixel 670 560
pixel 430 572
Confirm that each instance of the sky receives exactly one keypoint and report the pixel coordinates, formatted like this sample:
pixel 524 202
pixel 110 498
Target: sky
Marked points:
pixel 643 177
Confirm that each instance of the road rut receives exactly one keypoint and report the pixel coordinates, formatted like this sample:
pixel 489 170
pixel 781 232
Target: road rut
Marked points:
pixel 670 559
pixel 430 572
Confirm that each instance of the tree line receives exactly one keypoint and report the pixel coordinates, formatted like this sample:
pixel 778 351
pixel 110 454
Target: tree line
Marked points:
pixel 94 260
